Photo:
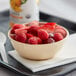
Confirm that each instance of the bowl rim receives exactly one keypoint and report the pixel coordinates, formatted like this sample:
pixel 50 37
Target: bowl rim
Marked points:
pixel 39 44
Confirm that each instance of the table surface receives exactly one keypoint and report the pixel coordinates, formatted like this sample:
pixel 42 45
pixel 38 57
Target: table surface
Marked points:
pixel 4 28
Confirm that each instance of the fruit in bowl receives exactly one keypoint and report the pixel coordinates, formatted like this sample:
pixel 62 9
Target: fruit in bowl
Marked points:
pixel 38 40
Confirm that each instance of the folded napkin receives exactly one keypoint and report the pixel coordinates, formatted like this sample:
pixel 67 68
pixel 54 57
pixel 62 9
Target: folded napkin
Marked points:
pixel 64 56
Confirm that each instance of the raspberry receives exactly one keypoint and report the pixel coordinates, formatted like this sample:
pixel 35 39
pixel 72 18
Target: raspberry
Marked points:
pixel 33 40
pixel 33 30
pixel 29 35
pixel 16 26
pixel 49 40
pixel 50 27
pixel 58 37
pixel 21 38
pixel 61 30
pixel 43 34
pixel 20 31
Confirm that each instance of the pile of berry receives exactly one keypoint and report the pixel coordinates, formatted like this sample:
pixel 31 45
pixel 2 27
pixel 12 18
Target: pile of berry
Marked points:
pixel 37 33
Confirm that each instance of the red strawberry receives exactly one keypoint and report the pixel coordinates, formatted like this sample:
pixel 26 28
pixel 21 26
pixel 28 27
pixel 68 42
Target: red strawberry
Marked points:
pixel 16 26
pixel 21 38
pixel 49 40
pixel 27 27
pixel 39 40
pixel 34 23
pixel 21 35
pixel 29 35
pixel 60 30
pixel 58 27
pixel 12 36
pixel 43 34
pixel 41 23
pixel 12 31
pixel 50 27
pixel 33 40
pixel 58 37
pixel 33 30
pixel 20 31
